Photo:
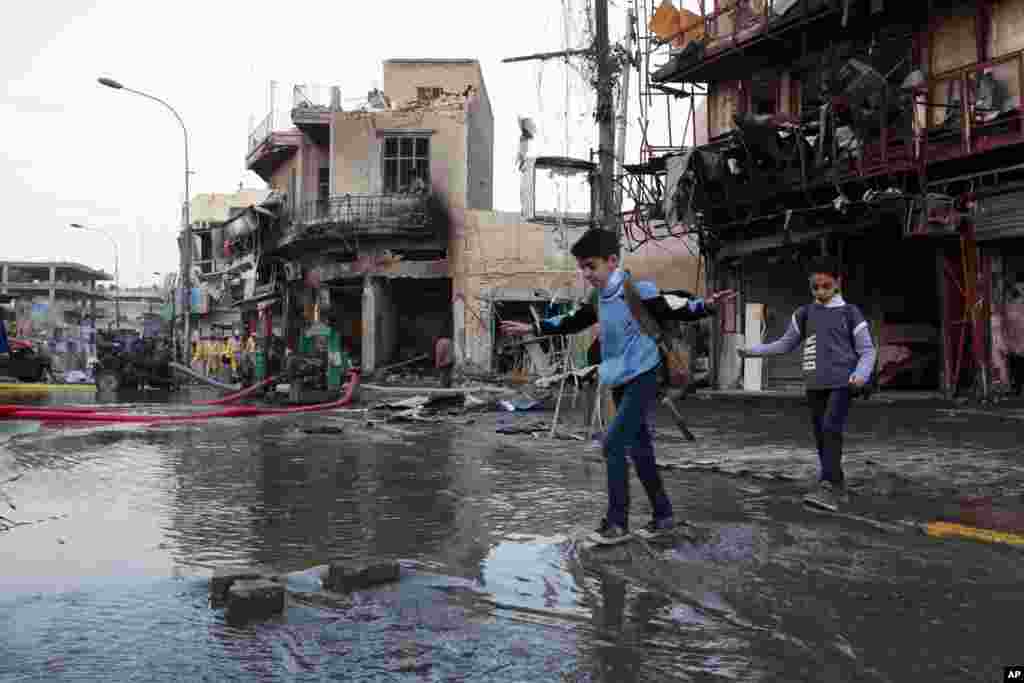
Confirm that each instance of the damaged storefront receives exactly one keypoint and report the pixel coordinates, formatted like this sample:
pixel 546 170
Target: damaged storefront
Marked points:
pixel 999 226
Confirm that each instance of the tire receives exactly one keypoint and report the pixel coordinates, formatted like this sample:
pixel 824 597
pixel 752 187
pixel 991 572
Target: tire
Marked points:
pixel 108 381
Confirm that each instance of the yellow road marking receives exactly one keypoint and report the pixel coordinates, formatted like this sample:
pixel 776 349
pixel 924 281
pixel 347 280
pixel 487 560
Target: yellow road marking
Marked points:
pixel 47 387
pixel 948 529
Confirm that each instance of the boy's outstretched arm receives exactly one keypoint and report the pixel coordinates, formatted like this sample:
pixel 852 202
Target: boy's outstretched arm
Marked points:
pixel 784 344
pixel 570 323
pixel 681 305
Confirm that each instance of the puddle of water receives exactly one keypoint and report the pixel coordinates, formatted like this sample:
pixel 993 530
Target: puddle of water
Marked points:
pixel 498 591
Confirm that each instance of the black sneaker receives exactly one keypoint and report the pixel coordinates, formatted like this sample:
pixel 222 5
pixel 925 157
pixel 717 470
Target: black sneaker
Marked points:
pixel 610 534
pixel 656 528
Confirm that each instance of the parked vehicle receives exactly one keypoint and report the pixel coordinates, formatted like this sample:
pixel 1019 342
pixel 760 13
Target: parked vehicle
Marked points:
pixel 126 360
pixel 26 362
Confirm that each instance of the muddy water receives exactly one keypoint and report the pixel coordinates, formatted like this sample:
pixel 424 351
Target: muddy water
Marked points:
pixel 108 580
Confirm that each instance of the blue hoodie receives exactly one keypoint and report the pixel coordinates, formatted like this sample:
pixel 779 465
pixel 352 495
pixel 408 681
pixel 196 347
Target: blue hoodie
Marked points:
pixel 4 346
pixel 626 352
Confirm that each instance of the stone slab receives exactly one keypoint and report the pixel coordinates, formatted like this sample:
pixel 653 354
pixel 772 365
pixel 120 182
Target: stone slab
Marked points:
pixel 255 599
pixel 224 577
pixel 344 577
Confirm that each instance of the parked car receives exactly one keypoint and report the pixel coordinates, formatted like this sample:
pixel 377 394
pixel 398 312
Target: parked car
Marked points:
pixel 26 362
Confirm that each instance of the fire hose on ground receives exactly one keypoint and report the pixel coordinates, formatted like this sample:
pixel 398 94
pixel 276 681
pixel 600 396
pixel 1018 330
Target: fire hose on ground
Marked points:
pixel 185 370
pixel 17 412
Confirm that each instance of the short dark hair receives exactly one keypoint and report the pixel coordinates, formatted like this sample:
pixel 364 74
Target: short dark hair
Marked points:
pixel 596 243
pixel 823 266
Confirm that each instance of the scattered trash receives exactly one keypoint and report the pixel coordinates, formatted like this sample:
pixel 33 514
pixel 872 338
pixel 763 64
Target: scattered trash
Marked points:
pixel 519 405
pixel 78 377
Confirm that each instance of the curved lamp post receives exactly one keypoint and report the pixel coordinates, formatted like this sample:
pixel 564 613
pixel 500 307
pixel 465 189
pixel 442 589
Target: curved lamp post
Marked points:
pixel 117 270
pixel 186 278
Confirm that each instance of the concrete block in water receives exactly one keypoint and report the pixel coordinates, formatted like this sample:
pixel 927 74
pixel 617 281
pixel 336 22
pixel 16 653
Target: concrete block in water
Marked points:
pixel 344 576
pixel 224 577
pixel 254 599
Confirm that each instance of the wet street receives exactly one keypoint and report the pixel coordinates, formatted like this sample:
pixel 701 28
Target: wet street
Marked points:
pixel 107 580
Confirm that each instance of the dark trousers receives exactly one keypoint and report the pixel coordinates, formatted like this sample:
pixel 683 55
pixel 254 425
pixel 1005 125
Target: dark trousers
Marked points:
pixel 629 431
pixel 829 410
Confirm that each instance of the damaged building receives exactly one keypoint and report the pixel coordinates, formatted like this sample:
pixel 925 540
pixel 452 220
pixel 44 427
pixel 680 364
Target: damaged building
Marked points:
pixel 884 134
pixel 362 241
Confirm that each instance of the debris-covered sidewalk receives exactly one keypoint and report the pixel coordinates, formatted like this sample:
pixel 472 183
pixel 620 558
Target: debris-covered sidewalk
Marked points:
pixel 923 460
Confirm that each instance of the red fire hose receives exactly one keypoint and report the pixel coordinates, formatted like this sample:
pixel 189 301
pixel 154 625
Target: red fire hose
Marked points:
pixel 16 412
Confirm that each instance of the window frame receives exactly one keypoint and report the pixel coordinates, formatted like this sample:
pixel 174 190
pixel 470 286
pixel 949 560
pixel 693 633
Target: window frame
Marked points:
pixel 420 163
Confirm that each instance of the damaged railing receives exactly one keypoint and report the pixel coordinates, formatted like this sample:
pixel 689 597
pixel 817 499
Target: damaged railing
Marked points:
pixel 991 118
pixel 364 213
pixel 261 132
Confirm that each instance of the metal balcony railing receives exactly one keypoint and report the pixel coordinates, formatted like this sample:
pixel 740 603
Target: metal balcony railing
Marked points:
pixel 363 213
pixel 971 109
pixel 261 132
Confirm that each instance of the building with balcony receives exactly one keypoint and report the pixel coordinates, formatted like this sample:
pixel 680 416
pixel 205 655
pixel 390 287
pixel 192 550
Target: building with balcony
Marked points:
pixel 362 239
pixel 52 299
pixel 223 244
pixel 884 134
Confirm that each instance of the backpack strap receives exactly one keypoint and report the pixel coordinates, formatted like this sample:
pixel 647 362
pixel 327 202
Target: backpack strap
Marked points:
pixel 649 326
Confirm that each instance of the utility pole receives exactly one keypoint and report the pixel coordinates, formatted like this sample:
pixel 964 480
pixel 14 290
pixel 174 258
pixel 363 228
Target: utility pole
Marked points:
pixel 607 216
pixel 620 133
pixel 605 119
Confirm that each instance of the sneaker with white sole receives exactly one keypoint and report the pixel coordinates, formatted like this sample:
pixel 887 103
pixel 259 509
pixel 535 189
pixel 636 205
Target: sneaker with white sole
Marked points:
pixel 657 528
pixel 610 534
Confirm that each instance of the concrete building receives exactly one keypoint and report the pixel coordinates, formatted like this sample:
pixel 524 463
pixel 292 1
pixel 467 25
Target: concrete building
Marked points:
pixel 52 298
pixel 346 237
pixel 137 304
pixel 215 310
pixel 357 247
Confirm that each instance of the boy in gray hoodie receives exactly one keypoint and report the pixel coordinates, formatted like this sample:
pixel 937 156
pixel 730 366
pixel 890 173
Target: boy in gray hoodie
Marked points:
pixel 838 359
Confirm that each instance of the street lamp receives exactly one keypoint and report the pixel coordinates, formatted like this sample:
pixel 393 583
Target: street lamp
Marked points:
pixel 117 269
pixel 186 276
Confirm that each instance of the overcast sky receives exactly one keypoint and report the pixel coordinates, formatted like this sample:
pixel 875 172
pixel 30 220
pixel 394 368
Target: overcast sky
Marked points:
pixel 78 152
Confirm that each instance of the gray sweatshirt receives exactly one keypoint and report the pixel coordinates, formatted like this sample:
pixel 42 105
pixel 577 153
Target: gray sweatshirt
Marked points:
pixel 837 343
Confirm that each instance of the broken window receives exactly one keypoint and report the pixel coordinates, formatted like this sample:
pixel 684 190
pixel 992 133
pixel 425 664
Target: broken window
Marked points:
pixel 406 163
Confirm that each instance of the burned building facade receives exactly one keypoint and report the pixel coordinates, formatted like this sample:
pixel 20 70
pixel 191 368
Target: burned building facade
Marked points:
pixel 361 245
pixel 884 134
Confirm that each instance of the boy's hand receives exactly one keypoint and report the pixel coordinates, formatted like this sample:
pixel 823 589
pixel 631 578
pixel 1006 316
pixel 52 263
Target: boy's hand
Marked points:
pixel 515 329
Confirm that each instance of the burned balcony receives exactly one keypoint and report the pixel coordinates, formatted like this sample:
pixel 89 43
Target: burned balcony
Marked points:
pixel 350 218
pixel 269 146
pixel 971 111
pixel 312 107
pixel 740 33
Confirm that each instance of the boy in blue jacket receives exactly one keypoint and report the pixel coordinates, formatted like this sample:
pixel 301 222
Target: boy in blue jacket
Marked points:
pixel 838 357
pixel 630 362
